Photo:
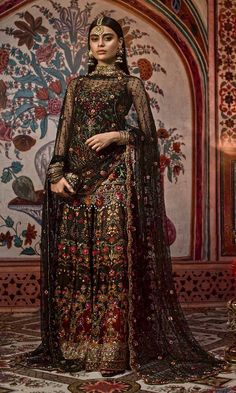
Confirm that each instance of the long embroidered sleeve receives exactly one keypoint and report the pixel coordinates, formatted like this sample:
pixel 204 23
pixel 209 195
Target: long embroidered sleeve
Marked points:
pixel 55 169
pixel 141 103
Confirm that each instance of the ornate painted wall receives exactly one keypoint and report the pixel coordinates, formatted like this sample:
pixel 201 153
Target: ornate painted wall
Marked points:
pixel 226 120
pixel 43 46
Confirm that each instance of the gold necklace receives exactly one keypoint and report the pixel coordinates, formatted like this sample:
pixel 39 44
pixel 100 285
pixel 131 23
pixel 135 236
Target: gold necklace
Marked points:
pixel 106 69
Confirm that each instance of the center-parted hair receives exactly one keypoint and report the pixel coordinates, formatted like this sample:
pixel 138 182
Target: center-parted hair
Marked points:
pixel 116 27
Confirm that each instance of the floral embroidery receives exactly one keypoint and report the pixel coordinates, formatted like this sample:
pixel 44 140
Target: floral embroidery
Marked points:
pixel 111 299
pixel 91 305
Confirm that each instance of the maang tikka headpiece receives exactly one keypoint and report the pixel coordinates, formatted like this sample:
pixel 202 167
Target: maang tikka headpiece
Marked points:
pixel 99 29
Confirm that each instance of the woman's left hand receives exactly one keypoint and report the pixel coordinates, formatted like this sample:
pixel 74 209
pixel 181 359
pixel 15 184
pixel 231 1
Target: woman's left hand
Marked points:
pixel 100 141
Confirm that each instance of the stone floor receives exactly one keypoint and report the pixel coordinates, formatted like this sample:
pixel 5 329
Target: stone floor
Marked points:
pixel 20 332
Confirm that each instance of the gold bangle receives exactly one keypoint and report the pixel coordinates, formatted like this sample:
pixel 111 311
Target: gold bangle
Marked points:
pixel 124 137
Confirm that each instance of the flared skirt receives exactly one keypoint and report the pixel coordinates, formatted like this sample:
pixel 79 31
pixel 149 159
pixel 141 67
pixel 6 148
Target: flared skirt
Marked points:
pixel 91 281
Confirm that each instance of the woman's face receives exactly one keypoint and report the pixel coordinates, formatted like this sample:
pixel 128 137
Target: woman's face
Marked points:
pixel 104 46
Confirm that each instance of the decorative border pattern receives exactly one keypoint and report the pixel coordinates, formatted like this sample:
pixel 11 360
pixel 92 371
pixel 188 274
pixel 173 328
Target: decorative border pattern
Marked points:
pixel 196 286
pixel 9 5
pixel 226 62
pixel 19 285
pixel 228 182
pixel 204 284
pixel 226 119
pixel 185 15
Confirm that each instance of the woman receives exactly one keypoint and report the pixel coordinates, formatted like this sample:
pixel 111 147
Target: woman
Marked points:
pixel 108 297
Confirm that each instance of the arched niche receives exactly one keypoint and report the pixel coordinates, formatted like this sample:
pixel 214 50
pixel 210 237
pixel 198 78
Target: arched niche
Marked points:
pixel 183 105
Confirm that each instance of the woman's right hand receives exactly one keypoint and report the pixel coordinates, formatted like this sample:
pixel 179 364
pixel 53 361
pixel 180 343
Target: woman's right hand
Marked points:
pixel 59 188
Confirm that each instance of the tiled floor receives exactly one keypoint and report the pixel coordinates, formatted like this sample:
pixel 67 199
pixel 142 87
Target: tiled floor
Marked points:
pixel 20 332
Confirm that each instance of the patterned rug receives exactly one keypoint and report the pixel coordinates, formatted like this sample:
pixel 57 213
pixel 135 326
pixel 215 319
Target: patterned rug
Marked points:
pixel 20 332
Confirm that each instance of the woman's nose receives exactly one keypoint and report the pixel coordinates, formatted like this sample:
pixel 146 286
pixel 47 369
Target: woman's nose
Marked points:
pixel 100 42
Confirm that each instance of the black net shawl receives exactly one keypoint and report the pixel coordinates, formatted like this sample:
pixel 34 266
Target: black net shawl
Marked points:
pixel 162 346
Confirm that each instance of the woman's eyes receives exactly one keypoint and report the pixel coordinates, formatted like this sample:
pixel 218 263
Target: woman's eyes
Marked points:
pixel 106 39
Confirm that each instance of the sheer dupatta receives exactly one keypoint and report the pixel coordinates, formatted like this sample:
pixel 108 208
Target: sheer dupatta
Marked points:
pixel 162 347
pixel 48 354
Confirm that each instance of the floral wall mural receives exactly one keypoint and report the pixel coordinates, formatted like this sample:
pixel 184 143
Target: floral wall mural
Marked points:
pixel 43 47
pixel 174 48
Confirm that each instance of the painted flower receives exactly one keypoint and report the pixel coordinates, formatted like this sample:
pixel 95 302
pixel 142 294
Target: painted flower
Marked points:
pixel 40 112
pixel 176 170
pixel 229 123
pixel 229 76
pixel 228 4
pixel 176 147
pixel 4 57
pixel 229 98
pixel 5 132
pixel 45 53
pixel 145 69
pixel 164 162
pixel 27 31
pixel 72 20
pixel 6 239
pixel 171 156
pixel 23 142
pixel 162 133
pixel 31 234
pixel 42 94
pixel 55 86
pixel 128 37
pixel 54 106
pixel 3 96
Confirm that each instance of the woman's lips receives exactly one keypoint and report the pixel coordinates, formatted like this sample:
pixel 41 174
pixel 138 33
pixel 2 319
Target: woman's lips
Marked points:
pixel 101 51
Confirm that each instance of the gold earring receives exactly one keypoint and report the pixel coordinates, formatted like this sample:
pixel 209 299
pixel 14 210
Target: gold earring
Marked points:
pixel 119 54
pixel 91 59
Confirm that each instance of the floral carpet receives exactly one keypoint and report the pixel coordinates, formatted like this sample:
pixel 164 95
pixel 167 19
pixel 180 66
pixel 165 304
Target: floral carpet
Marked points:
pixel 21 332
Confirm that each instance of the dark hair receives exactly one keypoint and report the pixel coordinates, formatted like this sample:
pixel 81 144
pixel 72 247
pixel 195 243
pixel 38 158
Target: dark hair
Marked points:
pixel 114 25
